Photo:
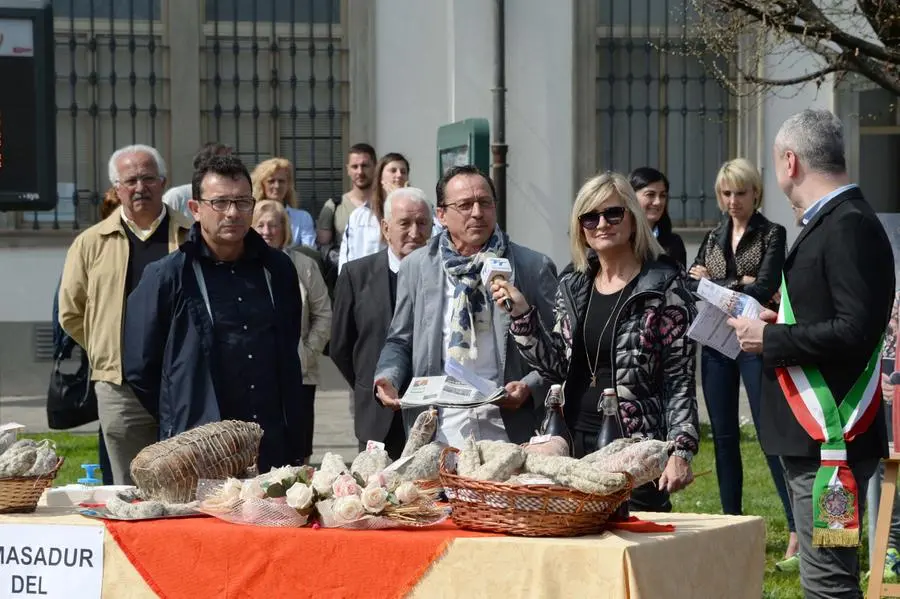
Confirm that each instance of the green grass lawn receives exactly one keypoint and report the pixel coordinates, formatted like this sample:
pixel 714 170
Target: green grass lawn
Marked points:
pixel 760 498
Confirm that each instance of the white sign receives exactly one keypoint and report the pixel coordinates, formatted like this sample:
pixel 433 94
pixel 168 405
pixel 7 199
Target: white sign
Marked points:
pixel 16 38
pixel 51 561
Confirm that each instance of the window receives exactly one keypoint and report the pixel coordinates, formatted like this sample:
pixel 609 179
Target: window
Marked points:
pixel 141 10
pixel 280 11
pixel 658 106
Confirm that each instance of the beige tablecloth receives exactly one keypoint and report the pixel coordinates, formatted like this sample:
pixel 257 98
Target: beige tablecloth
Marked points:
pixel 706 557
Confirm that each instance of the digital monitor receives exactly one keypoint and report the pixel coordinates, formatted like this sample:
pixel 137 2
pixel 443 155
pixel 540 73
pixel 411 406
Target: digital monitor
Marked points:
pixel 27 110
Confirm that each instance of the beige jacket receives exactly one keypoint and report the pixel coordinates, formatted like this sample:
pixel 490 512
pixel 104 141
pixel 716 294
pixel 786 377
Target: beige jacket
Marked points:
pixel 315 331
pixel 92 291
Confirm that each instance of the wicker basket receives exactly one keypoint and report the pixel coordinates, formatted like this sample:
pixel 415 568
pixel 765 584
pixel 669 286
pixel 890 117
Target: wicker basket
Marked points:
pixel 525 510
pixel 20 495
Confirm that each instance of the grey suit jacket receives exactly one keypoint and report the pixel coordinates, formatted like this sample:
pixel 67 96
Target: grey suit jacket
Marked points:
pixel 414 345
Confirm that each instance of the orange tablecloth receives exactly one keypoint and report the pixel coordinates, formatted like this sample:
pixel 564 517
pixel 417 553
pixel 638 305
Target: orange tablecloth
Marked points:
pixel 212 559
pixel 217 559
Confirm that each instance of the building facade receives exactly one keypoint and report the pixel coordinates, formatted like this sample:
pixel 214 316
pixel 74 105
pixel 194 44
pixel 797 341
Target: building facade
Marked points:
pixel 590 85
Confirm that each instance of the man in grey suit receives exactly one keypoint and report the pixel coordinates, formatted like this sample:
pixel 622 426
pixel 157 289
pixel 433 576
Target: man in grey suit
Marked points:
pixel 443 311
pixel 363 307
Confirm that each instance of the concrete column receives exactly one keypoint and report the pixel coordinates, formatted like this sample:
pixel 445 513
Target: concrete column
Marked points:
pixel 584 91
pixel 778 105
pixel 359 37
pixel 183 25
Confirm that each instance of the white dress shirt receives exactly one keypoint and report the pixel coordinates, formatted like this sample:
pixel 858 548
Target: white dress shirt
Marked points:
pixel 362 237
pixel 177 198
pixel 455 425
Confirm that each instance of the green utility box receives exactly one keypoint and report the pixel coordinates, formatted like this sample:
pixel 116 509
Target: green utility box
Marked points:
pixel 464 142
pixel 27 106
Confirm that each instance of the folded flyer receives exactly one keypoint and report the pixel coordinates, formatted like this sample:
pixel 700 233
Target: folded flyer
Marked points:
pixel 710 327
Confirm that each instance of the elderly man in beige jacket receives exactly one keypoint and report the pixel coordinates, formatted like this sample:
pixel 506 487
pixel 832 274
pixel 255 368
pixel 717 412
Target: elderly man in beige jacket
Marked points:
pixel 103 265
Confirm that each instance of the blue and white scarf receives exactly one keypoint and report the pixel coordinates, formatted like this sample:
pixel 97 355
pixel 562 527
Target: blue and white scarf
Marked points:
pixel 469 295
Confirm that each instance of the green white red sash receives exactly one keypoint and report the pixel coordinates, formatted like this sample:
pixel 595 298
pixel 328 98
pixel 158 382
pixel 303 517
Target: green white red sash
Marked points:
pixel 835 495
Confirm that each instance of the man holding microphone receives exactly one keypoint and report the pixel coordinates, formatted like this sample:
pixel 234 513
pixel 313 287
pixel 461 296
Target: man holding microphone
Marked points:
pixel 444 310
pixel 822 408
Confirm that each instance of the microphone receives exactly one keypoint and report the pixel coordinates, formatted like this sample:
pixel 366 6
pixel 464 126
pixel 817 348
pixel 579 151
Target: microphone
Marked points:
pixel 895 378
pixel 496 268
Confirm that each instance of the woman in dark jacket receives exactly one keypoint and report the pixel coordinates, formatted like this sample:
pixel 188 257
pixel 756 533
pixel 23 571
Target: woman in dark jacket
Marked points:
pixel 622 316
pixel 744 253
pixel 652 189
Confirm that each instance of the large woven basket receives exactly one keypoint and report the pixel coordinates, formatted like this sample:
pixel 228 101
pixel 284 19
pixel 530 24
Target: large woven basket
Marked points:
pixel 525 510
pixel 20 495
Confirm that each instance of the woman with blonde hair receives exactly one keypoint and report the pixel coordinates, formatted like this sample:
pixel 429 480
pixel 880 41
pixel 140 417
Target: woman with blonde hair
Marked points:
pixel 622 316
pixel 273 179
pixel 270 220
pixel 744 253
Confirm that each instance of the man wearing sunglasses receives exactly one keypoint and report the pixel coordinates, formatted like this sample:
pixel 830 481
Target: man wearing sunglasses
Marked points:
pixel 443 311
pixel 212 331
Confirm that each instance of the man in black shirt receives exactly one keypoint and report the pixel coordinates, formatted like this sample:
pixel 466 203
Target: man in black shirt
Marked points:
pixel 364 302
pixel 212 331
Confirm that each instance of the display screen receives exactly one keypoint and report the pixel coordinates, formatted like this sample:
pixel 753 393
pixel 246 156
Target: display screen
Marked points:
pixel 18 125
pixel 456 156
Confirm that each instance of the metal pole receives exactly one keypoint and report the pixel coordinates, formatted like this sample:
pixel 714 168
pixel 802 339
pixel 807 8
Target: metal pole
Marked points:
pixel 499 147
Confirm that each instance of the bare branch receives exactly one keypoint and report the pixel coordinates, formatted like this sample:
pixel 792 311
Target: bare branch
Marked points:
pixel 814 76
pixel 835 33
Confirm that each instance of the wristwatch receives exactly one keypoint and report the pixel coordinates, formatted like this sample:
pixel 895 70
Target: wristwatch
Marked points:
pixel 684 454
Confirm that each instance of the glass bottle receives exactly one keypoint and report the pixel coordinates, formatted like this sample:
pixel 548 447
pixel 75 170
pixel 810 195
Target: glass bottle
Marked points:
pixel 554 423
pixel 611 426
pixel 610 430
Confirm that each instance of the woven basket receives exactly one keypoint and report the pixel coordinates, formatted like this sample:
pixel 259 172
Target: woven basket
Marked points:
pixel 20 495
pixel 525 510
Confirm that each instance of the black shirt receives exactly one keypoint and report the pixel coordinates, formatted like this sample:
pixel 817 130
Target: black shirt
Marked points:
pixel 245 349
pixel 600 310
pixel 392 281
pixel 141 253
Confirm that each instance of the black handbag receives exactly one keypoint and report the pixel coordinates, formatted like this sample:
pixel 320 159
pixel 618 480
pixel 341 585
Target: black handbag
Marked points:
pixel 71 400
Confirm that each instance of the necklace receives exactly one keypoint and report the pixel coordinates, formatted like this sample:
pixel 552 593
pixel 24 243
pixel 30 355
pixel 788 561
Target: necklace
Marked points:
pixel 593 368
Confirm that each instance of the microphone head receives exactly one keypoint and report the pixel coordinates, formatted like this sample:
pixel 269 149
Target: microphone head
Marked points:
pixel 895 378
pixel 493 267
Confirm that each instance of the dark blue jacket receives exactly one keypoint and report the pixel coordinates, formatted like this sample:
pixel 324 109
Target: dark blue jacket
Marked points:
pixel 167 347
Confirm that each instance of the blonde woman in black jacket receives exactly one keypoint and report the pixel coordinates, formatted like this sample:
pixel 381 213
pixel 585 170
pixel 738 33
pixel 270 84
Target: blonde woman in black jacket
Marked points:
pixel 745 253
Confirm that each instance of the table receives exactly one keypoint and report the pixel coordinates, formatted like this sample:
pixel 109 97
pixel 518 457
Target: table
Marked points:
pixel 877 587
pixel 707 556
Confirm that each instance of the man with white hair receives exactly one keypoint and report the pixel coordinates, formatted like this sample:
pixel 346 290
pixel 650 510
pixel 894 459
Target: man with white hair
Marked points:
pixel 364 302
pixel 103 265
pixel 822 411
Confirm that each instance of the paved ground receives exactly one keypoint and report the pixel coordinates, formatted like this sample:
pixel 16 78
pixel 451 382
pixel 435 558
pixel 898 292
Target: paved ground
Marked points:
pixel 333 428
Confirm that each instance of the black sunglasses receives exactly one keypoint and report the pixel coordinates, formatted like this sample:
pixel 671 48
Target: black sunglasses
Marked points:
pixel 612 215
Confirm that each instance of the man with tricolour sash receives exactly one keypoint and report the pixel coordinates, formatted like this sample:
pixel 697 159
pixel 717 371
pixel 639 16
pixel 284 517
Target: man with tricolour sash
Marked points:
pixel 822 410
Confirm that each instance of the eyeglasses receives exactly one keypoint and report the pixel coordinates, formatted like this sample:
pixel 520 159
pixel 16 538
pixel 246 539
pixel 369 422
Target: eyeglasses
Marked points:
pixel 466 208
pixel 223 204
pixel 612 215
pixel 132 182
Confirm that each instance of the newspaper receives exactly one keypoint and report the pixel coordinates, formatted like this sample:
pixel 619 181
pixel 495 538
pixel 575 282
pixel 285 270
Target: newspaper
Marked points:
pixel 459 388
pixel 710 327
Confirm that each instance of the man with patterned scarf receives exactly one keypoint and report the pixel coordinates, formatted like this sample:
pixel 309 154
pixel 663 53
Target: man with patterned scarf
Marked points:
pixel 443 311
